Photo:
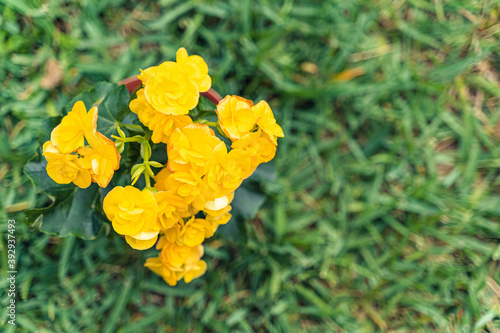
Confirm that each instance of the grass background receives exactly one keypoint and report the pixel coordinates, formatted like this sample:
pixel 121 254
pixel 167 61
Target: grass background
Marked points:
pixel 384 216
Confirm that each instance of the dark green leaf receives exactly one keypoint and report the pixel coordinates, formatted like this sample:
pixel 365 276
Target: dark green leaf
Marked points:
pixel 74 215
pixel 72 209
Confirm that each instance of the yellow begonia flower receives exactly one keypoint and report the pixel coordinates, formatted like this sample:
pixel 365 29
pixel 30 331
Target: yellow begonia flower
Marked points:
pixel 267 122
pixel 65 168
pixel 102 160
pixel 141 107
pixel 164 125
pixel 161 179
pixel 193 232
pixel 172 235
pixel 196 68
pixel 169 274
pixel 194 271
pixel 68 136
pixel 175 255
pixel 236 117
pixel 177 261
pixel 190 187
pixel 170 207
pixel 132 212
pixel 259 147
pixel 227 171
pixel 170 90
pixel 161 124
pixel 190 148
pixel 212 223
pixel 145 74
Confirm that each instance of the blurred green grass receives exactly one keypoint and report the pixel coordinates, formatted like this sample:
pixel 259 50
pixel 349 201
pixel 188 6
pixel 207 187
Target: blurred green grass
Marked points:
pixel 384 216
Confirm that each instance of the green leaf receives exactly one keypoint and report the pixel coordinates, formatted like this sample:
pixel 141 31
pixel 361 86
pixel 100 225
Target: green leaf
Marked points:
pixel 112 102
pixel 72 209
pixel 74 215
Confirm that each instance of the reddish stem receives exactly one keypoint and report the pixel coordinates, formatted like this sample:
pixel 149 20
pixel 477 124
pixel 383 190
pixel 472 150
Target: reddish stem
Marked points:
pixel 132 83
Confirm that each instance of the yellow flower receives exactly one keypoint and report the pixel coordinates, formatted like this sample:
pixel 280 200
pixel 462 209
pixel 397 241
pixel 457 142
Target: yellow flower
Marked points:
pixel 194 271
pixel 267 122
pixel 172 235
pixel 169 274
pixel 188 186
pixel 196 68
pixel 102 160
pixel 170 90
pixel 145 74
pixel 132 212
pixel 161 179
pixel 177 261
pixel 68 136
pixel 216 209
pixel 236 117
pixel 193 232
pixel 191 147
pixel 141 107
pixel 163 126
pixel 65 168
pixel 226 171
pixel 214 222
pixel 170 207
pixel 175 255
pixel 259 147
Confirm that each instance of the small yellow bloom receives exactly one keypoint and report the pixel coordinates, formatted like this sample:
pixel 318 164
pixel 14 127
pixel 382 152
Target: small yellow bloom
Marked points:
pixel 172 235
pixel 196 68
pixel 132 212
pixel 193 232
pixel 68 136
pixel 227 171
pixel 191 147
pixel 259 147
pixel 170 207
pixel 190 187
pixel 169 274
pixel 145 74
pixel 267 122
pixel 175 255
pixel 161 124
pixel 194 271
pixel 141 107
pixel 161 179
pixel 102 160
pixel 170 90
pixel 214 222
pixel 65 168
pixel 164 125
pixel 236 117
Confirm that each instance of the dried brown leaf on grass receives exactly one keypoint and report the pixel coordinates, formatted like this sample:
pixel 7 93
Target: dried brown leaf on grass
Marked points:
pixel 53 74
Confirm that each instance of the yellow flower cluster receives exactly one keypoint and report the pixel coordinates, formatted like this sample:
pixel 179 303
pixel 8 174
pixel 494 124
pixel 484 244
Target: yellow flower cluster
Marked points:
pixel 69 160
pixel 170 91
pixel 193 192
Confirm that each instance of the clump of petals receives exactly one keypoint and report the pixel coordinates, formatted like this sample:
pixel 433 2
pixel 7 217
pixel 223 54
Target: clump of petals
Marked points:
pixel 236 117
